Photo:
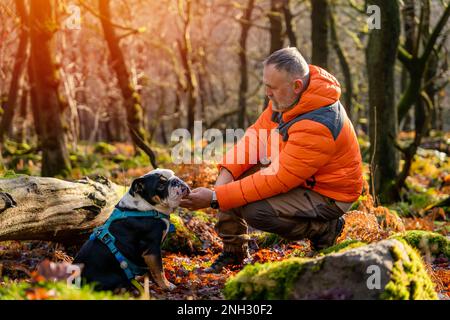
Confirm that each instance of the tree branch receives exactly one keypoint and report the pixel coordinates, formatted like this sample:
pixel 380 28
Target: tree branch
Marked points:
pixel 435 34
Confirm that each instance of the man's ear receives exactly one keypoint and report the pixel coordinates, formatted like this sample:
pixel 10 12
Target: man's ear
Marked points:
pixel 298 85
pixel 137 186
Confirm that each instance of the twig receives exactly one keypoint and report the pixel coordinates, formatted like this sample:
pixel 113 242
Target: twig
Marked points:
pixel 372 169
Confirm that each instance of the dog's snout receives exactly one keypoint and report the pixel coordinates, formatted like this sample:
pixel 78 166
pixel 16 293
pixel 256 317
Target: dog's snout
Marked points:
pixel 182 187
pixel 185 189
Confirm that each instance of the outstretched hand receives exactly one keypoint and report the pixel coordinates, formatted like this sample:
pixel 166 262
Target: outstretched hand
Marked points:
pixel 198 198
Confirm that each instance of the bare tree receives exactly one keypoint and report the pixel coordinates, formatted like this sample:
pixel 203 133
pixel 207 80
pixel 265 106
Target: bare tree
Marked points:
pixel 49 107
pixel 185 49
pixel 276 25
pixel 343 61
pixel 381 52
pixel 416 62
pixel 423 105
pixel 18 71
pixel 243 86
pixel 132 99
pixel 319 35
pixel 289 24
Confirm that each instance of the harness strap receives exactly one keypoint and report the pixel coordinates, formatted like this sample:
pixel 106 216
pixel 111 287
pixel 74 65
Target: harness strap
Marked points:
pixel 102 233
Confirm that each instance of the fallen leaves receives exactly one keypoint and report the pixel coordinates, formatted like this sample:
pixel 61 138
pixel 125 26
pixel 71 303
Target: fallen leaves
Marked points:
pixel 39 294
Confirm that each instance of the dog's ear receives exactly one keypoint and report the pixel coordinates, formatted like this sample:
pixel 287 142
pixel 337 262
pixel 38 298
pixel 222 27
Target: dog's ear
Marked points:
pixel 137 186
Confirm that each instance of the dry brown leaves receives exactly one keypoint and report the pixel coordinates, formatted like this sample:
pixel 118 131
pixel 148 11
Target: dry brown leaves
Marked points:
pixel 196 175
pixel 370 223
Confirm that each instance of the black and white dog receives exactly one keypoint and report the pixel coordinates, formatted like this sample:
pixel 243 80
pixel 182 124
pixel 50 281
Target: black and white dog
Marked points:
pixel 137 238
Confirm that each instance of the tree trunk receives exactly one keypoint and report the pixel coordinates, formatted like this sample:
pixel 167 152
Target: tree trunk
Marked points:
pixel 132 99
pixel 319 36
pixel 243 86
pixel 416 65
pixel 381 56
pixel 288 21
pixel 276 30
pixel 343 61
pixel 34 100
pixel 409 28
pixel 50 108
pixel 185 48
pixel 22 129
pixel 17 73
pixel 424 105
pixel 34 208
pixel 276 25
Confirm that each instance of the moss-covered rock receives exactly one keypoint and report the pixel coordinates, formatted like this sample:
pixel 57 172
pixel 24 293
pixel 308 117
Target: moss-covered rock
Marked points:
pixel 262 281
pixel 409 279
pixel 349 274
pixel 182 240
pixel 428 243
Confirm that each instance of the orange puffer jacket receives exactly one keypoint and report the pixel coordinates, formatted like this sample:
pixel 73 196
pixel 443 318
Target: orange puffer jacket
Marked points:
pixel 321 151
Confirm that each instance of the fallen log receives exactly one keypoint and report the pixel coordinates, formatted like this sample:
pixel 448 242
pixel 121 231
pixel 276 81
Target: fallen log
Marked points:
pixel 36 208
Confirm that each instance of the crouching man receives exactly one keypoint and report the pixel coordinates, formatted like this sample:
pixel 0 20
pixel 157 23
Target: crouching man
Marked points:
pixel 314 176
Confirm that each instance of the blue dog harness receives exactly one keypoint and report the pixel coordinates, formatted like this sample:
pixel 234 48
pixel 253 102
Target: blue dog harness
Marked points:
pixel 102 233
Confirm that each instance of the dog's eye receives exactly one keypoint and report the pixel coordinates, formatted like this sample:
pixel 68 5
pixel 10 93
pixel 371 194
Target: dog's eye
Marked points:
pixel 162 183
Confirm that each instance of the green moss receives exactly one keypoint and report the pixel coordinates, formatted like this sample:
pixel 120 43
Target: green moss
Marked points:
pixel 54 291
pixel 104 148
pixel 426 242
pixel 343 246
pixel 183 239
pixel 265 281
pixel 409 279
pixel 203 216
pixel 266 239
pixel 10 174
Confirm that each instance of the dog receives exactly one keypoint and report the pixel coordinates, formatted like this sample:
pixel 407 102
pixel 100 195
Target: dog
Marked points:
pixel 137 238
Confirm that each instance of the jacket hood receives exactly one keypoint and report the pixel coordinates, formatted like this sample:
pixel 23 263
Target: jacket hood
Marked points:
pixel 323 90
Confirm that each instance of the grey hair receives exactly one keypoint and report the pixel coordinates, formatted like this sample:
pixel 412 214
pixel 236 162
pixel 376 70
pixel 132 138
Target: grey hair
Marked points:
pixel 289 60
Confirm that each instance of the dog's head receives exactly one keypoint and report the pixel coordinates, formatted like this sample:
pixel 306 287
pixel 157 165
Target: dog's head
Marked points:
pixel 160 188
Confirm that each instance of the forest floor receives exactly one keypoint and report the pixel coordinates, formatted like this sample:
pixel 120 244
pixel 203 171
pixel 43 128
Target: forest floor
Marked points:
pixel 428 184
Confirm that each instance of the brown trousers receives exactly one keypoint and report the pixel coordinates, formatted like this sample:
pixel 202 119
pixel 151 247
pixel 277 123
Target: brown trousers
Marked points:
pixel 295 215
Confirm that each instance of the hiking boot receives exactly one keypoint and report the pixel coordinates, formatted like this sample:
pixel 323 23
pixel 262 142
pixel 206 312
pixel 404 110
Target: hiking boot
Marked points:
pixel 329 239
pixel 228 259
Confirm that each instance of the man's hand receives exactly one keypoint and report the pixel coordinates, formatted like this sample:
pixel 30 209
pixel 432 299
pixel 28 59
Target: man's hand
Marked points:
pixel 197 199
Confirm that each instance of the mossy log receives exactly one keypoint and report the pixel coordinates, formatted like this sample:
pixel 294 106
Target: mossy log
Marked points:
pixel 389 269
pixel 36 208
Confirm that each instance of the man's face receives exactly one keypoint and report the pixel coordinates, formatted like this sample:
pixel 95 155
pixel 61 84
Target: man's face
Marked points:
pixel 281 89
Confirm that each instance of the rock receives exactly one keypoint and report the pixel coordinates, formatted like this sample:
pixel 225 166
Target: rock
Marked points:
pixel 194 233
pixel 389 269
pixel 182 240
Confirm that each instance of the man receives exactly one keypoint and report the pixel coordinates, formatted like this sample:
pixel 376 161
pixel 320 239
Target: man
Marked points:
pixel 317 167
